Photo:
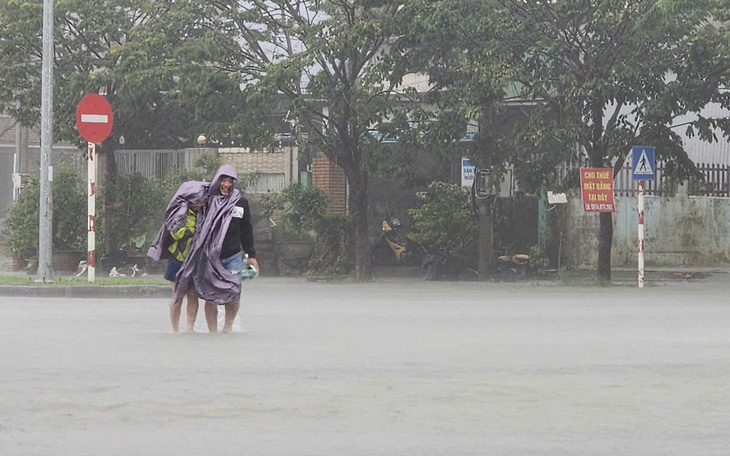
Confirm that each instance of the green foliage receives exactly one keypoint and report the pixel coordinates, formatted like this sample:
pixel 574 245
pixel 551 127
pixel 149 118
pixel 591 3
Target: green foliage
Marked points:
pixel 444 219
pixel 138 210
pixel 312 55
pixel 302 210
pixel 69 216
pixel 149 58
pixel 209 163
pixel 304 217
pixel 21 226
pixel 594 78
pixel 70 210
pixel 538 259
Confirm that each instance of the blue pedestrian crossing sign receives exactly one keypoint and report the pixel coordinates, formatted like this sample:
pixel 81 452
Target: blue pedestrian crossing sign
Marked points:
pixel 642 163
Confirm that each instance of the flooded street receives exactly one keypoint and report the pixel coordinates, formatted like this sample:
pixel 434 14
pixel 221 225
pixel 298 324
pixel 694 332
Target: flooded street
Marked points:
pixel 393 367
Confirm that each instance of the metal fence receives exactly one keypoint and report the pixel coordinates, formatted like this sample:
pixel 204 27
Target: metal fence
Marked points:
pixel 149 163
pixel 268 183
pixel 714 181
pixel 158 163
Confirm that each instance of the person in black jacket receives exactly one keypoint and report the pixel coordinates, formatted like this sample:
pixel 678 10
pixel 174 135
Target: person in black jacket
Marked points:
pixel 238 241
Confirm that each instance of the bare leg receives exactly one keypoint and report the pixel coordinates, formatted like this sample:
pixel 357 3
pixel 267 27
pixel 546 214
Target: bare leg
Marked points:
pixel 192 309
pixel 231 311
pixel 175 310
pixel 211 316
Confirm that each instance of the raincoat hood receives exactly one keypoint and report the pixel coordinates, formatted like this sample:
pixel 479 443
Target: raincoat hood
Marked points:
pixel 225 170
pixel 189 192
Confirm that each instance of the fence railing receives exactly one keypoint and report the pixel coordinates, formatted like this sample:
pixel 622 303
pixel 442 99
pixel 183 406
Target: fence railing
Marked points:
pixel 715 181
pixel 149 163
pixel 158 163
pixel 624 185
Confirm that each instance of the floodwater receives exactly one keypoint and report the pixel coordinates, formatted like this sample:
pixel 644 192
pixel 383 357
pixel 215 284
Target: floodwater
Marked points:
pixel 398 367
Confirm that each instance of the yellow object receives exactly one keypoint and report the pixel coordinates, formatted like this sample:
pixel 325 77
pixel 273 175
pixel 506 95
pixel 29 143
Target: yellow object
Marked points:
pixel 182 237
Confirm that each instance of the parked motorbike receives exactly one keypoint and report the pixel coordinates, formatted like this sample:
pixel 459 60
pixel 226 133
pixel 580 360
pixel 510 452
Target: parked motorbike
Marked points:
pixel 392 246
pixel 442 265
pixel 512 267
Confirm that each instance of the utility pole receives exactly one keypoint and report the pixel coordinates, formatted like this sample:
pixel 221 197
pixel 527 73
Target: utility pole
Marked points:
pixel 45 228
pixel 486 236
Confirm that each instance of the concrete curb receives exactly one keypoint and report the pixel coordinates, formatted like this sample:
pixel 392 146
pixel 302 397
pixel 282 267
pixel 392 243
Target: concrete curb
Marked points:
pixel 81 291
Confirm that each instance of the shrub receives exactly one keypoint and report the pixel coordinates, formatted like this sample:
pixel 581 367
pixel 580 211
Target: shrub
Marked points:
pixel 304 217
pixel 69 216
pixel 21 226
pixel 139 208
pixel 539 261
pixel 444 219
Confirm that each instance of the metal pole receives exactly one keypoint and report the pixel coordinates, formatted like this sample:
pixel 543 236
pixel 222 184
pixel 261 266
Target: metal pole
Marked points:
pixel 542 219
pixel 16 159
pixel 91 240
pixel 560 250
pixel 486 237
pixel 641 234
pixel 45 228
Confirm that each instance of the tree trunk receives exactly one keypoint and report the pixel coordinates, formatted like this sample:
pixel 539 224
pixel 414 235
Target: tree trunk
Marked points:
pixel 605 231
pixel 358 198
pixel 605 239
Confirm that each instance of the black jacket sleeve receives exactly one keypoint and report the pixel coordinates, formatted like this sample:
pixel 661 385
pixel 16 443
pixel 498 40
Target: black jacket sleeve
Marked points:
pixel 247 230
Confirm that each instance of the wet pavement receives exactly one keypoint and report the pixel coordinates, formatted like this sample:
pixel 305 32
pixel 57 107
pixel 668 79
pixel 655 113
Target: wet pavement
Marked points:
pixel 397 366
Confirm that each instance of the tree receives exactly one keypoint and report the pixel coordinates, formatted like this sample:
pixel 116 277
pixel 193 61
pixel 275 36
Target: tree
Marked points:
pixel 457 44
pixel 602 76
pixel 617 73
pixel 324 60
pixel 134 52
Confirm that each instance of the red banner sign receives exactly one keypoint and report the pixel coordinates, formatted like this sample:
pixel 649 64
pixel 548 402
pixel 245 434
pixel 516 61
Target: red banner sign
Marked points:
pixel 596 185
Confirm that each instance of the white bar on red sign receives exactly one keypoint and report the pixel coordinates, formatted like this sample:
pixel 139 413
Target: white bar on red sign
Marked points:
pixel 94 118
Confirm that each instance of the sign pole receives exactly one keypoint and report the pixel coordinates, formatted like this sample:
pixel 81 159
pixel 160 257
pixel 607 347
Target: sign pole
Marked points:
pixel 91 240
pixel 642 166
pixel 641 233
pixel 94 119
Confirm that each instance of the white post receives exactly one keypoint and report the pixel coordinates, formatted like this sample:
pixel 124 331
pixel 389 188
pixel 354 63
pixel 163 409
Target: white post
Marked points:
pixel 45 225
pixel 91 254
pixel 641 233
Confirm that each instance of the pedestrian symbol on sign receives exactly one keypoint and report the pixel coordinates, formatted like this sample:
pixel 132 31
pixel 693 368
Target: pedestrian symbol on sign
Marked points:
pixel 643 163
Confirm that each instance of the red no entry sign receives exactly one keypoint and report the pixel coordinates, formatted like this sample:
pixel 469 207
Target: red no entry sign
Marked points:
pixel 94 118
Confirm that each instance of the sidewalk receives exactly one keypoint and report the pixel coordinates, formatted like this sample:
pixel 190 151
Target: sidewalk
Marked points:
pixel 413 275
pixel 71 287
pixel 90 291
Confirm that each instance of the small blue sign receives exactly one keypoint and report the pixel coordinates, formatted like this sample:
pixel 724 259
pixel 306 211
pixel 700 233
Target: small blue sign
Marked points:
pixel 642 163
pixel 467 173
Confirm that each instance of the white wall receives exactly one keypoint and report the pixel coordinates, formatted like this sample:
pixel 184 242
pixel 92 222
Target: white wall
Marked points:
pixel 679 231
